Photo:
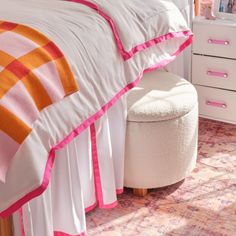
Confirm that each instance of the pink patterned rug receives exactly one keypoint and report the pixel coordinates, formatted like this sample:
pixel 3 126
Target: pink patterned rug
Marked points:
pixel 202 205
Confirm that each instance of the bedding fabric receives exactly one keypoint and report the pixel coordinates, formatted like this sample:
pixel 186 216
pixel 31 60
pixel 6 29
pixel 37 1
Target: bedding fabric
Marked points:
pixel 107 59
pixel 73 191
pixel 34 74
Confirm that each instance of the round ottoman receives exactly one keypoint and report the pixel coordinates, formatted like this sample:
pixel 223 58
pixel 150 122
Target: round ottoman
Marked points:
pixel 162 132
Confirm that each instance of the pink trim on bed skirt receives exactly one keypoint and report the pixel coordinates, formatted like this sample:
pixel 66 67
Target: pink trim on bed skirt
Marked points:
pixel 109 206
pixel 119 191
pixel 57 233
pixel 21 222
pixel 104 206
pixel 51 157
pixel 127 55
pixel 90 208
pixel 96 169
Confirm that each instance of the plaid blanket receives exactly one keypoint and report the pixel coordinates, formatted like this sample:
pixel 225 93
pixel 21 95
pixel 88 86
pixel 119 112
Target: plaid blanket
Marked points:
pixel 33 75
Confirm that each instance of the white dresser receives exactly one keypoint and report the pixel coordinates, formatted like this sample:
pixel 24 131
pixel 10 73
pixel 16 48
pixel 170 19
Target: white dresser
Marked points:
pixel 214 68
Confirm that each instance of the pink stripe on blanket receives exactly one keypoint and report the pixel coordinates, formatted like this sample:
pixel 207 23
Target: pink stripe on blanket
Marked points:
pixel 125 54
pixel 17 99
pixel 50 79
pixel 15 44
pixel 7 151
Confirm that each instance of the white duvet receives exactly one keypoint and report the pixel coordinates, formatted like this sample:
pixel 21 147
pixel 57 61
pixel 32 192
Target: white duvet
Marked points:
pixel 151 33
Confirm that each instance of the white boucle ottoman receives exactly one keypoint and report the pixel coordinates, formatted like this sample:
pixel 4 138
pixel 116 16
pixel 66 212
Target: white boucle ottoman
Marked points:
pixel 162 132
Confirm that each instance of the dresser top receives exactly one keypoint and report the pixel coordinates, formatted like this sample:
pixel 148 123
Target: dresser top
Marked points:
pixel 218 21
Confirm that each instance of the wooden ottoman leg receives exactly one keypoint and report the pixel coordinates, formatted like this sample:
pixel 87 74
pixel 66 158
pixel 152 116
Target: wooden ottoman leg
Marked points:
pixel 6 227
pixel 141 192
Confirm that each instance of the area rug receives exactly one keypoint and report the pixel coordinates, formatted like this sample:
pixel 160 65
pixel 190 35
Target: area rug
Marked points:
pixel 204 204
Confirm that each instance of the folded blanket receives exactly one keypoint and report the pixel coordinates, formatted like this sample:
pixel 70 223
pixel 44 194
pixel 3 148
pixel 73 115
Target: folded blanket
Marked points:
pixel 33 75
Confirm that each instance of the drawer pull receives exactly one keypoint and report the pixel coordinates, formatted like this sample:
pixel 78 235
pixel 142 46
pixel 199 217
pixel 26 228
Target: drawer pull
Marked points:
pixel 216 104
pixel 219 42
pixel 217 74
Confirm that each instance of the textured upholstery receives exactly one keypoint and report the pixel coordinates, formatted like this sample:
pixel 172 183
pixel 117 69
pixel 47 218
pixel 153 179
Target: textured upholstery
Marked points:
pixel 160 96
pixel 161 136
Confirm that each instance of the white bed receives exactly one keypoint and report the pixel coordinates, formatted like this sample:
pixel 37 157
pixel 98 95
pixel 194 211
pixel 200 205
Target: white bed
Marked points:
pixel 74 187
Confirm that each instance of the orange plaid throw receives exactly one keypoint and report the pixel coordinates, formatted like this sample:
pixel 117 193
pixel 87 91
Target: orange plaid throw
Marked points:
pixel 33 75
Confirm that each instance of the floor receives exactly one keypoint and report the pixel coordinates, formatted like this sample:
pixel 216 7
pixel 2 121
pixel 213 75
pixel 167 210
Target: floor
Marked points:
pixel 202 205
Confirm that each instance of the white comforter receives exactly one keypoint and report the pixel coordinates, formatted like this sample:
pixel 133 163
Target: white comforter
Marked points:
pixel 103 73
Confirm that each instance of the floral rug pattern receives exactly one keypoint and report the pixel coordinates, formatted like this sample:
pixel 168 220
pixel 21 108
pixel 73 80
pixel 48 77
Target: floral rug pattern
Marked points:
pixel 204 204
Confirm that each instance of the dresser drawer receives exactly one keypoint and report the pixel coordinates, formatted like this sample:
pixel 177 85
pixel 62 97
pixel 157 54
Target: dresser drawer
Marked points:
pixel 215 40
pixel 214 72
pixel 217 104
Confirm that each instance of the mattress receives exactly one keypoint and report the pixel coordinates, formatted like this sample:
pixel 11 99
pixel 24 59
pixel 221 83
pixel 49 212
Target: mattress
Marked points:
pixel 107 59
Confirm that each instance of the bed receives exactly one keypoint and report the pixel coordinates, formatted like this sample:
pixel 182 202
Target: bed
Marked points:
pixel 77 163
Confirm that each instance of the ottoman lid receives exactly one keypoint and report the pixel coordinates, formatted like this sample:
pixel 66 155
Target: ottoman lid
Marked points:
pixel 160 96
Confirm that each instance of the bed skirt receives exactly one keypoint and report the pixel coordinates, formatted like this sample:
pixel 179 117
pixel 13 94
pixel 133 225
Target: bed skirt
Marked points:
pixel 87 173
